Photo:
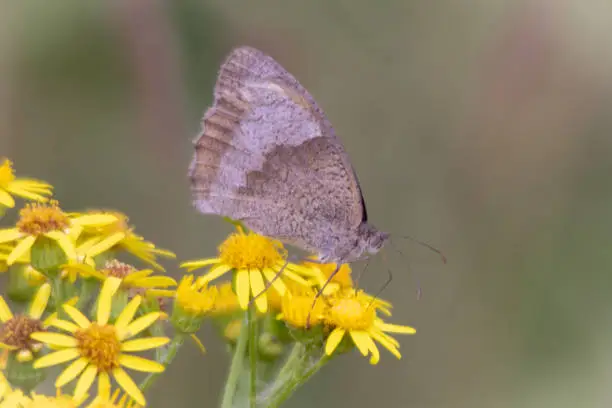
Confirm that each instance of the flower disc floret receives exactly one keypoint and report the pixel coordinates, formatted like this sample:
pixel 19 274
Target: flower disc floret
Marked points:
pixel 100 345
pixel 38 218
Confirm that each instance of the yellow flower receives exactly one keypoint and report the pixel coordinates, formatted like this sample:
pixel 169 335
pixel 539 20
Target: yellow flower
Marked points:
pixel 297 309
pixel 130 277
pixel 119 235
pixel 99 348
pixel 353 313
pixel 254 259
pixel 46 220
pixel 226 301
pixel 194 300
pixel 16 329
pixel 11 186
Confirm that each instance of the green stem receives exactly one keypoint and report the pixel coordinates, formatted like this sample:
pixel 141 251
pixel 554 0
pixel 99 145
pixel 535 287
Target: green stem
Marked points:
pixel 297 375
pixel 236 367
pixel 292 360
pixel 252 357
pixel 173 349
pixel 58 295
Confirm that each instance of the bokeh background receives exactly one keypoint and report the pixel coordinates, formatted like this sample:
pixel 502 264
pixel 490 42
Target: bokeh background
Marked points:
pixel 483 127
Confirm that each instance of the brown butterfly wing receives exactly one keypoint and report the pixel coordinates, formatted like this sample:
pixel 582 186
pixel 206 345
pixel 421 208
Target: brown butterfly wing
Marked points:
pixel 267 155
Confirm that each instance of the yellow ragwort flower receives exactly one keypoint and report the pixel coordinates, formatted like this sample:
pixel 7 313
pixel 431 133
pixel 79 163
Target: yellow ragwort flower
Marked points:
pixel 226 301
pixel 47 220
pixel 297 309
pixel 254 259
pixel 353 313
pixel 119 235
pixel 113 402
pixel 130 276
pixel 195 300
pixel 27 188
pixel 16 329
pixel 99 349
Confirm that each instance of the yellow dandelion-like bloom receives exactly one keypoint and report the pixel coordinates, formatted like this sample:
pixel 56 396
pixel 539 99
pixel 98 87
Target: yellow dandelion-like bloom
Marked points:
pixel 193 299
pixel 353 313
pixel 99 349
pixel 254 259
pixel 130 277
pixel 119 235
pixel 26 188
pixel 226 301
pixel 16 329
pixel 297 309
pixel 47 221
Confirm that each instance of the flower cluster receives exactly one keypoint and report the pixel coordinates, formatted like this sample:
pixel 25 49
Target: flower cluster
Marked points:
pixel 100 319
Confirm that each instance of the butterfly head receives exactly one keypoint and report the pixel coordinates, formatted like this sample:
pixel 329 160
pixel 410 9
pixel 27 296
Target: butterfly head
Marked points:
pixel 372 239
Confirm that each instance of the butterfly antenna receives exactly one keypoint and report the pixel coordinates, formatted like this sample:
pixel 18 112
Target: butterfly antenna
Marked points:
pixel 269 283
pixel 426 245
pixel 383 287
pixel 362 272
pixel 419 291
pixel 320 292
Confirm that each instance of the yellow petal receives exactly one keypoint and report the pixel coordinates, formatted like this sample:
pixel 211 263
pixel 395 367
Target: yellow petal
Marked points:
pixel 333 340
pixel 375 358
pixel 127 314
pixel 54 339
pixel 5 311
pixel 76 315
pixel 379 337
pixel 395 328
pixel 296 278
pixel 144 344
pixel 214 273
pixel 242 288
pixel 105 300
pixel 155 282
pixel 71 372
pixel 277 282
pixel 57 357
pixel 94 220
pixel 191 265
pixel 6 199
pixel 106 244
pixel 140 324
pixel 138 274
pixel 11 234
pixel 104 386
pixel 362 341
pixel 39 304
pixel 21 248
pixel 85 381
pixel 128 385
pixel 257 289
pixel 140 364
pixel 64 325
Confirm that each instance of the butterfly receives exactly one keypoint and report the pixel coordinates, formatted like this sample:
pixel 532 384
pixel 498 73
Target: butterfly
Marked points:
pixel 268 157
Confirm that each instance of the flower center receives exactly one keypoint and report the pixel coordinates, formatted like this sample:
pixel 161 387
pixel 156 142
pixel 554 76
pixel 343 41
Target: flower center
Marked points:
pixel 6 174
pixel 100 345
pixel 116 269
pixel 352 314
pixel 37 218
pixel 250 251
pixel 16 332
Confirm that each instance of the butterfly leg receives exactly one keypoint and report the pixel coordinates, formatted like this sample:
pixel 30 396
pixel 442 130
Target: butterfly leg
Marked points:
pixel 320 292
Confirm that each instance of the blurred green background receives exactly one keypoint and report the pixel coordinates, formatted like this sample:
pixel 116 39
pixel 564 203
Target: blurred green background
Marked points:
pixel 483 127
